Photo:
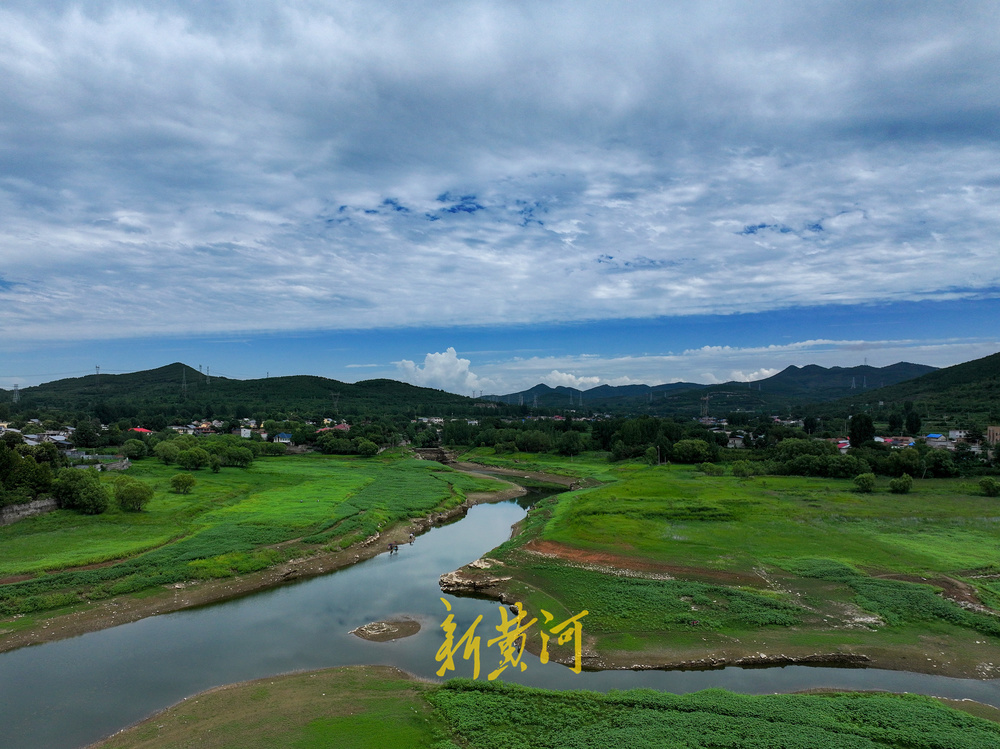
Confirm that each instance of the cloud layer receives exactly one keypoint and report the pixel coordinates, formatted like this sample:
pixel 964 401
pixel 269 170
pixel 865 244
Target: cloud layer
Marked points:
pixel 171 168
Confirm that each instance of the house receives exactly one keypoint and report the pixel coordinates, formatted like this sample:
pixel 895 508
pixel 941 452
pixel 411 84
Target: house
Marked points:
pixel 140 431
pixel 283 437
pixel 993 435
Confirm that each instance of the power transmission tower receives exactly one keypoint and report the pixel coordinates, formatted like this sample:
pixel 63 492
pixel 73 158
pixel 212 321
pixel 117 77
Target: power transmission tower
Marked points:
pixel 17 395
pixel 184 384
pixel 97 378
pixel 208 375
pixel 336 400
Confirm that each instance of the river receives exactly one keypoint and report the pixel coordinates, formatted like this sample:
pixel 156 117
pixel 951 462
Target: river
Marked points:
pixel 72 692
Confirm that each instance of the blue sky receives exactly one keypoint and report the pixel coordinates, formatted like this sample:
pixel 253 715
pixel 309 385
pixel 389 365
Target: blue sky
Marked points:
pixel 485 195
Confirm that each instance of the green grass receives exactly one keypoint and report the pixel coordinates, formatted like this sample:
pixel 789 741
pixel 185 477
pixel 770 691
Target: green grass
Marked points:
pixel 507 716
pixel 704 529
pixel 681 516
pixel 379 708
pixel 227 525
pixel 366 707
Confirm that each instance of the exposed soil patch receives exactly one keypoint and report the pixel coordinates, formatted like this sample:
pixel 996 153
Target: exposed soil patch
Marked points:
pixel 618 561
pixel 549 478
pixel 955 590
pixel 387 631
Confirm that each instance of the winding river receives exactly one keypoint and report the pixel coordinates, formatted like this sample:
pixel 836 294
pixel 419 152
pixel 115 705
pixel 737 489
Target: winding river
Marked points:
pixel 72 692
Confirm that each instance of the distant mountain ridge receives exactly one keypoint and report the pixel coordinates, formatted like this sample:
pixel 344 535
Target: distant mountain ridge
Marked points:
pixel 811 383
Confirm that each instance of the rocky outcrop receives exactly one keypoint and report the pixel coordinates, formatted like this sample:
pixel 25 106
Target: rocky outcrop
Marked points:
pixel 466 581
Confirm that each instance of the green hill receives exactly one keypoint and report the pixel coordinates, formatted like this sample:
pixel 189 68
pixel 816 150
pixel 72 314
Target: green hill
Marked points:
pixel 971 389
pixel 177 390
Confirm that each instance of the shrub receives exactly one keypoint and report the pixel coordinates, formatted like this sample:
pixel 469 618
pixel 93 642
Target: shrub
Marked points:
pixel 901 485
pixel 131 494
pixel 711 469
pixel 182 483
pixel 692 451
pixel 167 452
pixel 864 483
pixel 989 486
pixel 193 459
pixel 743 469
pixel 81 490
pixel 134 449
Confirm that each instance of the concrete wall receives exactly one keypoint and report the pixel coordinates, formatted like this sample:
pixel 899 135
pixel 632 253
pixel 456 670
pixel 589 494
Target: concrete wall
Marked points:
pixel 13 513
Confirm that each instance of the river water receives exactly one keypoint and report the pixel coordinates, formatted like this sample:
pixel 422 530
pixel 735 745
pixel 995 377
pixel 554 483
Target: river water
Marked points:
pixel 73 692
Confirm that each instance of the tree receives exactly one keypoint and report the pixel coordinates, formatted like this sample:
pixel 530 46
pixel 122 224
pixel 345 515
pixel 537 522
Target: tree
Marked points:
pixel 810 424
pixel 895 422
pixel 864 483
pixel 134 449
pixel 182 483
pixel 86 435
pixel 862 429
pixel 167 452
pixel 913 423
pixel 692 451
pixel 570 443
pixel 367 448
pixel 81 490
pixel 131 494
pixel 193 459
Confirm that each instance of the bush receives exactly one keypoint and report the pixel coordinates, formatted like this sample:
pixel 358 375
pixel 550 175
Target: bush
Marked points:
pixel 711 469
pixel 367 448
pixel 989 486
pixel 182 483
pixel 692 451
pixel 901 485
pixel 167 452
pixel 134 449
pixel 81 490
pixel 193 459
pixel 131 494
pixel 743 469
pixel 864 483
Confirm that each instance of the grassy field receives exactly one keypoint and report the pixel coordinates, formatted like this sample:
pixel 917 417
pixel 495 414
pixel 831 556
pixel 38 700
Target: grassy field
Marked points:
pixel 232 522
pixel 377 707
pixel 672 564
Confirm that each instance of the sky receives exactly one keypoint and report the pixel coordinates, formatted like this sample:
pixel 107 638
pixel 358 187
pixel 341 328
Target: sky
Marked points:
pixel 485 195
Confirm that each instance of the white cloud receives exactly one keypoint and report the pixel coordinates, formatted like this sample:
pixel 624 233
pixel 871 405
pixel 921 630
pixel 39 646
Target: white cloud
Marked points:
pixel 444 371
pixel 295 165
pixel 760 374
pixel 555 378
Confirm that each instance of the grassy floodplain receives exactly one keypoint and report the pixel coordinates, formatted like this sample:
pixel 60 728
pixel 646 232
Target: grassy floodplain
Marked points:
pixel 381 708
pixel 676 567
pixel 233 522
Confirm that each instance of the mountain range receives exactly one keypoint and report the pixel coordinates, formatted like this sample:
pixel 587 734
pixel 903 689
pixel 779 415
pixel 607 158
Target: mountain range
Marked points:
pixel 179 389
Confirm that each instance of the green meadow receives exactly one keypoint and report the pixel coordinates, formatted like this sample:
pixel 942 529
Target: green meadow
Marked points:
pixel 380 708
pixel 673 565
pixel 232 522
